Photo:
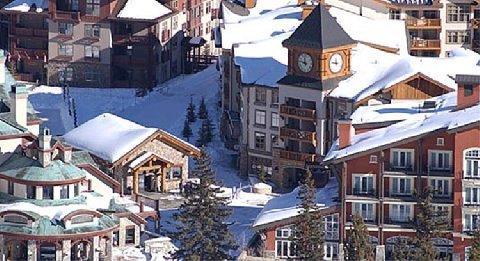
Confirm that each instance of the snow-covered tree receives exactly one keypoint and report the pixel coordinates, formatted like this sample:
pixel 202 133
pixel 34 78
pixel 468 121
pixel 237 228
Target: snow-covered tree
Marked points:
pixel 202 110
pixel 187 131
pixel 191 112
pixel 357 245
pixel 205 134
pixel 308 231
pixel 201 228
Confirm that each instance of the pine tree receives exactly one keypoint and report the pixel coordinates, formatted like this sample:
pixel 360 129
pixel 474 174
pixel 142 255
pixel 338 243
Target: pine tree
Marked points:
pixel 202 110
pixel 205 135
pixel 428 224
pixel 191 112
pixel 309 231
pixel 357 245
pixel 187 131
pixel 262 176
pixel 200 221
pixel 402 249
pixel 475 250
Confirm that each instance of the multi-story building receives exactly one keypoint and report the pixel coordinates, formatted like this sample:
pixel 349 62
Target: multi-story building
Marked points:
pixel 381 168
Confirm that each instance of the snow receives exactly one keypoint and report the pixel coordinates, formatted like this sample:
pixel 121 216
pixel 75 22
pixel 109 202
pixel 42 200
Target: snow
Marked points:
pixel 262 185
pixel 287 205
pixel 25 5
pixel 140 159
pixel 143 9
pixel 416 125
pixel 108 136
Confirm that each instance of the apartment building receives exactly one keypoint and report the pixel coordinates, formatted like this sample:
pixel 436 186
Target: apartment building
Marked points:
pixel 380 169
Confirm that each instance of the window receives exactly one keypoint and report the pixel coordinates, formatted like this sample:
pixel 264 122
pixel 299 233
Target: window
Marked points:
pixel 458 37
pixel 130 236
pixel 92 75
pixel 76 190
pixel 363 184
pixel 65 50
pixel 175 172
pixel 65 74
pixel 373 159
pixel 259 141
pixel 400 213
pixel 65 28
pixel 440 160
pixel 440 141
pixel 11 187
pixel 441 187
pixel 260 117
pixel 331 227
pixel 175 23
pixel 401 186
pixel 330 251
pixel 274 140
pixel 275 120
pixel 402 159
pixel 467 90
pixel 48 192
pixel 283 246
pixel 64 191
pixel 92 30
pixel 208 7
pixel 457 13
pixel 467 253
pixel 31 192
pixel 260 95
pixel 470 222
pixel 92 52
pixel 365 210
pixel 471 196
pixel 15 219
pixel 444 211
pixel 472 163
pixel 93 7
pixel 394 14
pixel 274 97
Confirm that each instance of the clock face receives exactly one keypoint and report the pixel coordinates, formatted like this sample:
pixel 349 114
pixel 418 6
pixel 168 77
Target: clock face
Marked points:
pixel 305 62
pixel 335 63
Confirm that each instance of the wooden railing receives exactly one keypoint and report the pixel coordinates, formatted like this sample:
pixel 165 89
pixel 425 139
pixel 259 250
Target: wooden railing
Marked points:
pixel 66 15
pixel 423 22
pixel 286 132
pixel 475 22
pixel 31 53
pixel 297 112
pixel 425 44
pixel 297 156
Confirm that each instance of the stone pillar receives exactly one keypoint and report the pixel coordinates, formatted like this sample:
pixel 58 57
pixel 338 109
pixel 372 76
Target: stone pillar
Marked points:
pixel 95 248
pixel 135 182
pixel 380 253
pixel 66 250
pixel 59 253
pixel 32 250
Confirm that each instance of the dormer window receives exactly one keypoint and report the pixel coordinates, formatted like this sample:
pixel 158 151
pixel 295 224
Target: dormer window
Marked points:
pixel 467 90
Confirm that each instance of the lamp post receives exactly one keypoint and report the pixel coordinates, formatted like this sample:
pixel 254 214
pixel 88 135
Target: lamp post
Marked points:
pixel 130 53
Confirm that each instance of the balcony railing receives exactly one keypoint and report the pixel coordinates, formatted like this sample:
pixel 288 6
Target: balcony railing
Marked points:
pixel 286 132
pixel 297 156
pixel 364 192
pixel 291 111
pixel 425 44
pixel 398 219
pixel 475 23
pixel 423 23
pixel 399 169
pixel 66 15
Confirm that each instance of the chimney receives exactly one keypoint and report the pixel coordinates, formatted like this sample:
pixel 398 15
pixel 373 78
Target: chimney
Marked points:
pixel 345 132
pixel 66 155
pixel 18 104
pixel 468 92
pixel 250 3
pixel 44 153
pixel 307 10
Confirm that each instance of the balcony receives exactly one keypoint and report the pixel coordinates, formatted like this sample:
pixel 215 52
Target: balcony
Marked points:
pixel 398 220
pixel 288 133
pixel 364 192
pixel 36 54
pixel 297 156
pixel 295 112
pixel 399 170
pixel 66 15
pixel 423 23
pixel 423 44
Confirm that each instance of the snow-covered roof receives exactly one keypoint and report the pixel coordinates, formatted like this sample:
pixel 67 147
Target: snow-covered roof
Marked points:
pixel 26 5
pixel 287 205
pixel 108 136
pixel 416 125
pixel 143 9
pixel 400 110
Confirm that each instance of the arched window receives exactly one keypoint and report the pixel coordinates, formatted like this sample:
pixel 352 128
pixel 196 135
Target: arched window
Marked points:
pixel 472 163
pixel 15 219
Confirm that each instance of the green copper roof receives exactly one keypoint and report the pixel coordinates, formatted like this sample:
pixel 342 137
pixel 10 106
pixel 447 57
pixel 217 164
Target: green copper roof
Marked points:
pixel 24 168
pixel 82 157
pixel 7 127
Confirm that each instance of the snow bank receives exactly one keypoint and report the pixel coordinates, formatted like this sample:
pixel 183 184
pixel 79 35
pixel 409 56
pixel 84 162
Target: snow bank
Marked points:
pixel 26 5
pixel 143 9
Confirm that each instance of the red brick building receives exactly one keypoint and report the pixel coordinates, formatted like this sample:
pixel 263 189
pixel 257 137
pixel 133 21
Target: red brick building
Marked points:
pixel 380 169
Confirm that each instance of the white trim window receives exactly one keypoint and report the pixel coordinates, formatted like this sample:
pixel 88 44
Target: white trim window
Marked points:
pixel 284 247
pixel 331 227
pixel 440 159
pixel 468 249
pixel 401 186
pixel 441 187
pixel 260 117
pixel 365 210
pixel 471 196
pixel 330 251
pixel 400 213
pixel 363 184
pixel 275 120
pixel 471 163
pixel 470 222
pixel 402 158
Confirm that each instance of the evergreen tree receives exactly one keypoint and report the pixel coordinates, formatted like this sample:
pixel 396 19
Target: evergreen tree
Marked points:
pixel 309 231
pixel 357 245
pixel 202 110
pixel 205 135
pixel 187 131
pixel 191 112
pixel 262 176
pixel 402 249
pixel 428 224
pixel 475 250
pixel 200 221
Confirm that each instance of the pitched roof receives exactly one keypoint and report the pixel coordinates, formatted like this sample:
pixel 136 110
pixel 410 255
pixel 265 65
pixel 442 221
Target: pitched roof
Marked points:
pixel 320 31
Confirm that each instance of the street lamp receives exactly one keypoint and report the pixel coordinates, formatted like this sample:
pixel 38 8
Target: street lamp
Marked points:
pixel 130 53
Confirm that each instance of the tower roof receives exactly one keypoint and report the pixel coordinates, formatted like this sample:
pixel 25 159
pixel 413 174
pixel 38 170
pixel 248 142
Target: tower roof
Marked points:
pixel 320 31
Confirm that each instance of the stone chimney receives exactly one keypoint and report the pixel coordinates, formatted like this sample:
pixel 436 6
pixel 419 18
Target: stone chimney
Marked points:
pixel 468 92
pixel 44 153
pixel 345 133
pixel 18 104
pixel 250 3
